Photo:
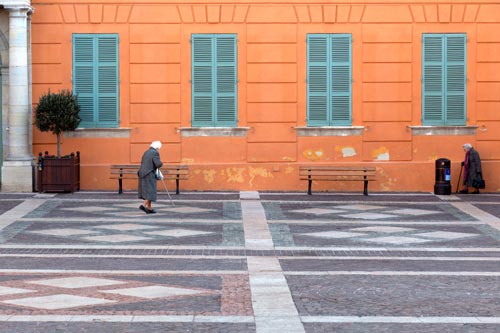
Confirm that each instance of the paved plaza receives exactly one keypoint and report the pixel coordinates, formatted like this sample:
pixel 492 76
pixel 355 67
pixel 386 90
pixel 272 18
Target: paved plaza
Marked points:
pixel 250 262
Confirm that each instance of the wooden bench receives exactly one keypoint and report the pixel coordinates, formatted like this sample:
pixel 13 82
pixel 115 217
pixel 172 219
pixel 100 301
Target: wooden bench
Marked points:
pixel 129 171
pixel 337 173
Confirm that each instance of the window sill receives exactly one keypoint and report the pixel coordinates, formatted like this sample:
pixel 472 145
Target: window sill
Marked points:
pixel 99 133
pixel 214 131
pixel 330 131
pixel 443 130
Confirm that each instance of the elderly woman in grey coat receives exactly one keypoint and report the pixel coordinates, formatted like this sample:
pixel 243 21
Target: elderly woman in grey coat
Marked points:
pixel 472 168
pixel 147 181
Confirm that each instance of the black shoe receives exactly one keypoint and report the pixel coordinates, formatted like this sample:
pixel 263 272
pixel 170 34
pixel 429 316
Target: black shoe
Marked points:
pixel 141 207
pixel 150 211
pixel 464 191
pixel 475 192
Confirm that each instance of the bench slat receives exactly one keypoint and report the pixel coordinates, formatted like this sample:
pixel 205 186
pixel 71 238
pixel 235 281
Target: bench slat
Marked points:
pixel 340 178
pixel 129 171
pixel 337 173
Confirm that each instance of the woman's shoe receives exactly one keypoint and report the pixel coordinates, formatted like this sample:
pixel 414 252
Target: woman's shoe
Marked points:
pixel 464 191
pixel 150 211
pixel 141 207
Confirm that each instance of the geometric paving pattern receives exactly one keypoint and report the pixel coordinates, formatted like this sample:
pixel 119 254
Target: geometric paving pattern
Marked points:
pixel 367 212
pixel 41 232
pixel 391 235
pixel 115 294
pixel 320 235
pixel 287 262
pixel 121 210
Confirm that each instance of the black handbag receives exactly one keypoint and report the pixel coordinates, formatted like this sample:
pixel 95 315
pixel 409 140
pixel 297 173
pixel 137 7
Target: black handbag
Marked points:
pixel 478 182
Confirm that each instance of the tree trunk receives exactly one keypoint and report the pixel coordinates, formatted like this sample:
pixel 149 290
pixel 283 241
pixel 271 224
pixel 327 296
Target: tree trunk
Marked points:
pixel 58 145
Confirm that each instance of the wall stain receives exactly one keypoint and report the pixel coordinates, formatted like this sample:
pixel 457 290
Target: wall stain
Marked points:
pixel 208 175
pixel 346 151
pixel 233 175
pixel 313 154
pixel 187 160
pixel 289 170
pixel 254 172
pixel 381 154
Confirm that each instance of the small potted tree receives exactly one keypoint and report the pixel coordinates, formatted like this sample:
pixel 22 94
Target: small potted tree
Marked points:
pixel 58 113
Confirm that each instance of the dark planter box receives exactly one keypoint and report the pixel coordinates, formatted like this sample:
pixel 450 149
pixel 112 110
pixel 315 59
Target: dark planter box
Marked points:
pixel 58 174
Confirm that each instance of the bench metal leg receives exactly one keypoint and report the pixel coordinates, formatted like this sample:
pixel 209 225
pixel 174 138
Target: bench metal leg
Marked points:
pixel 365 191
pixel 309 187
pixel 120 186
pixel 177 186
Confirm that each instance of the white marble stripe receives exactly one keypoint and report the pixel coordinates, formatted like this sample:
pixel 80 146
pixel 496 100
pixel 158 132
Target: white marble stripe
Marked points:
pixel 389 249
pixel 120 271
pixel 401 320
pixel 127 318
pixel 376 222
pixel 128 219
pixel 480 214
pixel 248 319
pixel 278 248
pixel 19 211
pixel 475 259
pixel 119 247
pixel 402 273
pixel 165 201
pixel 272 301
pixel 218 257
pixel 256 229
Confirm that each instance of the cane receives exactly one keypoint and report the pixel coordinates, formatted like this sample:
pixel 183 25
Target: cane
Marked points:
pixel 166 189
pixel 459 176
pixel 159 176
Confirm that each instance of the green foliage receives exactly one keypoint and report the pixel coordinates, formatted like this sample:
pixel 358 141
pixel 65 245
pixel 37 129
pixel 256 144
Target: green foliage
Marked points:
pixel 57 112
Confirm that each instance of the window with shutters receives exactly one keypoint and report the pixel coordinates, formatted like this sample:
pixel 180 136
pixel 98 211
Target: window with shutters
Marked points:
pixel 329 80
pixel 444 79
pixel 95 79
pixel 214 80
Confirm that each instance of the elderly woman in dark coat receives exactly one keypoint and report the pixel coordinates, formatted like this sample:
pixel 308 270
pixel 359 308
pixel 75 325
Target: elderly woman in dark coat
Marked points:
pixel 472 168
pixel 147 181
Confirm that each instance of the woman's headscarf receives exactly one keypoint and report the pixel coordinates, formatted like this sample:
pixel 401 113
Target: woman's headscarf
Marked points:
pixel 156 144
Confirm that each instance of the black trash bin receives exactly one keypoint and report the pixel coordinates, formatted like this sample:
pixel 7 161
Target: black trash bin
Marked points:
pixel 443 176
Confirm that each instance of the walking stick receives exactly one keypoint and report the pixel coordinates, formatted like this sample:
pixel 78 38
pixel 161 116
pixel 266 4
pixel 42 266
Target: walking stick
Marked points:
pixel 159 176
pixel 459 176
pixel 166 189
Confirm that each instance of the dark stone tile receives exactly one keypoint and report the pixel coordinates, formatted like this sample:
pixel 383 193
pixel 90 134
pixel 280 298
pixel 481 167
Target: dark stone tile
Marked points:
pixel 426 295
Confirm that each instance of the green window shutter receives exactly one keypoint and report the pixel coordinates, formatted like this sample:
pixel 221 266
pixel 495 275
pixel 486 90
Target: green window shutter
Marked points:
pixel 214 80
pixel 329 72
pixel 202 80
pixel 341 80
pixel 83 77
pixel 95 79
pixel 318 79
pixel 444 79
pixel 225 90
pixel 455 79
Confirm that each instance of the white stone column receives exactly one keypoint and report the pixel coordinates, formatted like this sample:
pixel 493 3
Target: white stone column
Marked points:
pixel 17 169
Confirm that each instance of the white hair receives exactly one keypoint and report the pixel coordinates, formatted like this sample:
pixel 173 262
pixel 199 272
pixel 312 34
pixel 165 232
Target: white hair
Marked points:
pixel 467 146
pixel 156 144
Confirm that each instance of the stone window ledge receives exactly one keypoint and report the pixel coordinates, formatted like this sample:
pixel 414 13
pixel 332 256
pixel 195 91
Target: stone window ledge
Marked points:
pixel 99 133
pixel 214 131
pixel 443 130
pixel 330 131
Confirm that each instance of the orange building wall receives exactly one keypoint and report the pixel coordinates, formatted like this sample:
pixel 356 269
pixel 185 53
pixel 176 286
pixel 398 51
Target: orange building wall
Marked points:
pixel 155 89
